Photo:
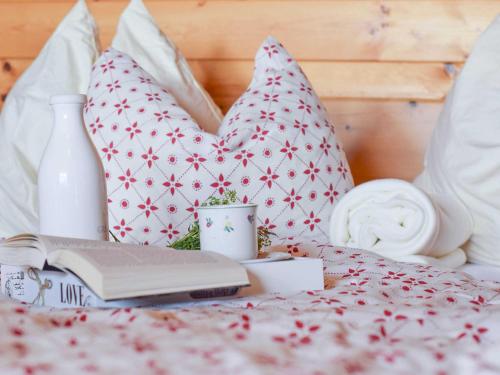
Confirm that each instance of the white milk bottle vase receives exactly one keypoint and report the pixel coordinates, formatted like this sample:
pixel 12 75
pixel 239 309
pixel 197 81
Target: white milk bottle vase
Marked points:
pixel 71 185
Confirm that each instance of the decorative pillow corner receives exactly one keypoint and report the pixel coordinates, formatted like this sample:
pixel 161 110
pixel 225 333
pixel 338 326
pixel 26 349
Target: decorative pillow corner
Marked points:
pixel 138 36
pixel 276 147
pixel 281 108
pixel 63 66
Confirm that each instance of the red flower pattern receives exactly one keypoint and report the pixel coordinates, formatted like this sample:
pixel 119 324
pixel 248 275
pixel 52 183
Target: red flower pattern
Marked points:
pixel 122 228
pixel 148 207
pixel 292 198
pixel 289 149
pixel 312 221
pixel 133 130
pixel 170 231
pixel 221 184
pixel 269 177
pixel 331 193
pixel 172 184
pixel 175 135
pixel 127 179
pixel 113 85
pixel 150 157
pixel 196 160
pixel 109 151
pixel 244 156
pixel 355 317
pixel 121 106
pixel 312 171
pixel 96 125
pixel 269 136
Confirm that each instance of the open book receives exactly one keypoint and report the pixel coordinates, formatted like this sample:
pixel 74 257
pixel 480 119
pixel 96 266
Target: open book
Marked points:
pixel 116 270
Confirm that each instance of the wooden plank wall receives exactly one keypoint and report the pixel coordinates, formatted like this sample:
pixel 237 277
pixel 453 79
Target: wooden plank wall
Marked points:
pixel 382 67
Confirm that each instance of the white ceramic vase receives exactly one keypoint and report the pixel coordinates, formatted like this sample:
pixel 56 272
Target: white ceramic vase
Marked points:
pixel 229 230
pixel 71 185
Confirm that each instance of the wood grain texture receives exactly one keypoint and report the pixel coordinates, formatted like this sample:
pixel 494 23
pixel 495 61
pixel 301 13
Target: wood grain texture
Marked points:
pixel 384 139
pixel 427 81
pixel 10 70
pixel 227 78
pixel 360 30
pixel 382 67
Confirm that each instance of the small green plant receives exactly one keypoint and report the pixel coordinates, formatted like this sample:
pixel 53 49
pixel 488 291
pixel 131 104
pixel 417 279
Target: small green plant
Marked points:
pixel 263 237
pixel 191 240
pixel 229 197
pixel 114 237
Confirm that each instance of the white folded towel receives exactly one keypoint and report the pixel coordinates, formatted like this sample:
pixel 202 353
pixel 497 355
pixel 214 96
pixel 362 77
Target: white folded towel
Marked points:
pixel 397 220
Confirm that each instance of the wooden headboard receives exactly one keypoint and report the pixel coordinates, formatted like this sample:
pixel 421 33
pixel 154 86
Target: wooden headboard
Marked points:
pixel 381 67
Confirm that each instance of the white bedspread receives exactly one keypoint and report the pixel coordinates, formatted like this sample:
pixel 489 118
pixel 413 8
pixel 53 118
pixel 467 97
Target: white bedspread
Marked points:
pixel 377 317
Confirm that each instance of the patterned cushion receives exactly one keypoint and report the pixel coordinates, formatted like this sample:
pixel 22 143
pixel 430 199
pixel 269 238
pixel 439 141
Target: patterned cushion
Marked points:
pixel 275 147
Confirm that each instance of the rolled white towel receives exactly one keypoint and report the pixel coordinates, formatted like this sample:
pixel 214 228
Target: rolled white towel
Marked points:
pixel 397 220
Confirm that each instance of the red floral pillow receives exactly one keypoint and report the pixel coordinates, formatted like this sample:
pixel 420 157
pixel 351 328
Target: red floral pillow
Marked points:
pixel 275 147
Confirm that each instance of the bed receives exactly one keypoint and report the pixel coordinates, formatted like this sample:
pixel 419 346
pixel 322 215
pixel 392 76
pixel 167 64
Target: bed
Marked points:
pixel 375 316
pixel 384 89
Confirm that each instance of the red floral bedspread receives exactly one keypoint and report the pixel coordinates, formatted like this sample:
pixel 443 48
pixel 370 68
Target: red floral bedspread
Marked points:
pixel 377 317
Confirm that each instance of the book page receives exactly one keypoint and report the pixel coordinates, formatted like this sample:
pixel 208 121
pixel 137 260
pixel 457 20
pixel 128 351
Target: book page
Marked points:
pixel 22 240
pixel 62 243
pixel 142 256
pixel 22 250
pixel 117 270
pixel 112 254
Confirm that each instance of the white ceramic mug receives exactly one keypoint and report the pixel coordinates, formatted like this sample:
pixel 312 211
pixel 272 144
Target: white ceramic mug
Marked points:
pixel 229 230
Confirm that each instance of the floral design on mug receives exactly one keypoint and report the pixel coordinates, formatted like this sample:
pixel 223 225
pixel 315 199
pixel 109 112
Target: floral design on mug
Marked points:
pixel 251 218
pixel 228 227
pixel 209 222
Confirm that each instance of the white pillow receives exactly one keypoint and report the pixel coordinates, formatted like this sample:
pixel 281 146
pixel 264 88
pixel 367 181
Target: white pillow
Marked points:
pixel 63 66
pixel 139 37
pixel 463 158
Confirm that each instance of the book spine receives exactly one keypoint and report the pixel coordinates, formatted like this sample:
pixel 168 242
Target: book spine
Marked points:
pixel 46 288
pixel 62 290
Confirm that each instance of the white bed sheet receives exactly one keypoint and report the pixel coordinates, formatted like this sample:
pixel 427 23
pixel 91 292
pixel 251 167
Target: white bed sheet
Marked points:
pixel 482 272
